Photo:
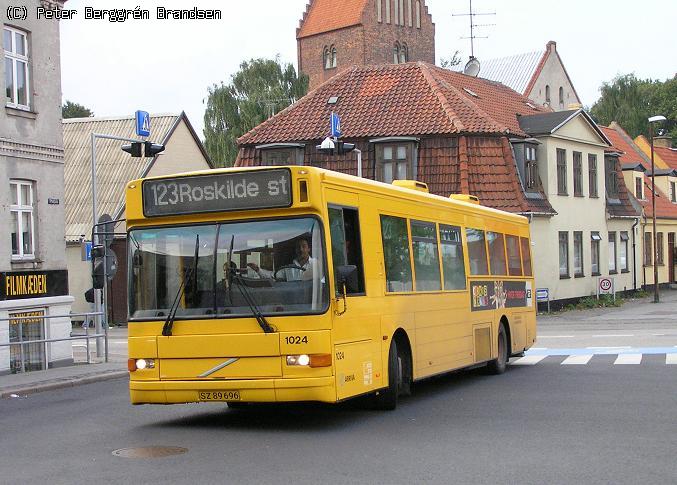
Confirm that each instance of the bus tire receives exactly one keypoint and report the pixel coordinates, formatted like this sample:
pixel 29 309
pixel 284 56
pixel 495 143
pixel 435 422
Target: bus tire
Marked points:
pixel 386 399
pixel 498 365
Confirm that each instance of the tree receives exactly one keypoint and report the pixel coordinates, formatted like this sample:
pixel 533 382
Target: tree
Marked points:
pixel 259 90
pixel 449 62
pixel 631 101
pixel 75 110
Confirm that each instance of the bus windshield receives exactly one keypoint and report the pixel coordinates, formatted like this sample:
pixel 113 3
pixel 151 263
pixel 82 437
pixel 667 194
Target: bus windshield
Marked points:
pixel 278 265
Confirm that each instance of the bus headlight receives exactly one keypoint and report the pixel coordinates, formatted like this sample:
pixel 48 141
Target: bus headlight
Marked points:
pixel 140 364
pixel 315 360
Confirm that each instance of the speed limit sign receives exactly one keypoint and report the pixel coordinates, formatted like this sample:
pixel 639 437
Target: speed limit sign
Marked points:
pixel 605 285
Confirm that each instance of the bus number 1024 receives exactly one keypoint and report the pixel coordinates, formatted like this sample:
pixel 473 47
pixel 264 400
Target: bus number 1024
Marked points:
pixel 296 340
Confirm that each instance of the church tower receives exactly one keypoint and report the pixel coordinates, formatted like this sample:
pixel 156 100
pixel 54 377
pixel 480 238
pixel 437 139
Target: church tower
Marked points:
pixel 334 35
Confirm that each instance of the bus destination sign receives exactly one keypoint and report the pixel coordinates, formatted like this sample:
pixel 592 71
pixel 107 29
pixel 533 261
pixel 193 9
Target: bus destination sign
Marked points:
pixel 261 189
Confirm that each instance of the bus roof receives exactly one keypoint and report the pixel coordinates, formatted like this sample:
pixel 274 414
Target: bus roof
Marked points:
pixel 363 184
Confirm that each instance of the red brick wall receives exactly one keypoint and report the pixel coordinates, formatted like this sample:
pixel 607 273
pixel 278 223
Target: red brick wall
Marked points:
pixel 349 43
pixel 370 43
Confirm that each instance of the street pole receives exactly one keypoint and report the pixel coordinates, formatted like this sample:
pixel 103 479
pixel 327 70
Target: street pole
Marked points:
pixel 656 297
pixel 100 304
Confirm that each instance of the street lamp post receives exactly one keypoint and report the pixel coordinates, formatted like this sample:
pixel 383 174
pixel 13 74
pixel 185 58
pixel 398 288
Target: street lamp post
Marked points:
pixel 652 120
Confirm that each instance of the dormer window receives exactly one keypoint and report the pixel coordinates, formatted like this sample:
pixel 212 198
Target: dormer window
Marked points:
pixel 639 186
pixel 530 168
pixel 547 94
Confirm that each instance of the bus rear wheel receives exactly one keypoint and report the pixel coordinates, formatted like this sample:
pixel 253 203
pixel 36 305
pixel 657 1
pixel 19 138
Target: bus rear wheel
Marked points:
pixel 386 399
pixel 498 365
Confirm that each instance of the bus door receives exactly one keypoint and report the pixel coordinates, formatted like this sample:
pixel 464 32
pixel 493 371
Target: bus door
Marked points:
pixel 357 348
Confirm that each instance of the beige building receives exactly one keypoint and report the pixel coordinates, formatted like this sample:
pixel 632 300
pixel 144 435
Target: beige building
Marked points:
pixel 33 277
pixel 593 232
pixel 184 152
pixel 540 76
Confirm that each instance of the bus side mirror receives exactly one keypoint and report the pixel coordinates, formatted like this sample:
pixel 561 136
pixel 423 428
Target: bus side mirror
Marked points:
pixel 347 275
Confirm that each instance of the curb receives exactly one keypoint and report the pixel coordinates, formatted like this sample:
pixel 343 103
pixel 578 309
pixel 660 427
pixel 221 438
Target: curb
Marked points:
pixel 62 383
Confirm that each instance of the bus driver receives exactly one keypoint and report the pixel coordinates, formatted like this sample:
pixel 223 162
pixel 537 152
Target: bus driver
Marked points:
pixel 301 268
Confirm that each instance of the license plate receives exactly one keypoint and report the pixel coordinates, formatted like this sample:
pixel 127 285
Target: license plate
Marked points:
pixel 218 395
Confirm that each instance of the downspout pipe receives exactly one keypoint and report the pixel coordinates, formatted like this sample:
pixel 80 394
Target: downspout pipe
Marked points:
pixel 634 256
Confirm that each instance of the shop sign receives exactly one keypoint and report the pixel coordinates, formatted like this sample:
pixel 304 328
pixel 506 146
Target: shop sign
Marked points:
pixel 18 285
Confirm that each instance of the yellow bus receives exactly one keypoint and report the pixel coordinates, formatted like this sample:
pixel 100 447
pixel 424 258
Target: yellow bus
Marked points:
pixel 279 284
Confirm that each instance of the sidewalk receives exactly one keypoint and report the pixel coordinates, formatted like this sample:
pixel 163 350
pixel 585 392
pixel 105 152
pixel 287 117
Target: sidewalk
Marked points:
pixel 74 375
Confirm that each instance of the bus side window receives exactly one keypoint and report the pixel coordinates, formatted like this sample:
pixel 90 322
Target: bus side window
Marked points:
pixel 496 253
pixel 477 251
pixel 426 257
pixel 396 253
pixel 452 257
pixel 526 256
pixel 514 263
pixel 346 247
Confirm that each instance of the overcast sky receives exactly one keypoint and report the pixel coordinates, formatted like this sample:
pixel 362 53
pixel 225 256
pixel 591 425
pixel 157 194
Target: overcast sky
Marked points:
pixel 167 66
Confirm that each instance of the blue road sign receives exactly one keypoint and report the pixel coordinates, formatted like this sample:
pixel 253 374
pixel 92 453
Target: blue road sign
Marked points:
pixel 142 123
pixel 335 125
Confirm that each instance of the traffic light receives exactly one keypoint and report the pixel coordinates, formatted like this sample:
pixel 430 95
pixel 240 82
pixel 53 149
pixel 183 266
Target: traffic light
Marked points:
pixel 151 149
pixel 104 259
pixel 134 149
pixel 138 149
pixel 335 147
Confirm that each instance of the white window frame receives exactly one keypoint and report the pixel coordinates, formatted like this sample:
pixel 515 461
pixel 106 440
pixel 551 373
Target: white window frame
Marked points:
pixel 14 57
pixel 22 208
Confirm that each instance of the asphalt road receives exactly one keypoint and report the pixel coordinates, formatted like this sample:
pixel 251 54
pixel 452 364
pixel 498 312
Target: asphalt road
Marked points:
pixel 547 423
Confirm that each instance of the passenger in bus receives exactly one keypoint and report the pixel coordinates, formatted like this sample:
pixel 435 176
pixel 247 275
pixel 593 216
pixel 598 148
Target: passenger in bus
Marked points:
pixel 300 269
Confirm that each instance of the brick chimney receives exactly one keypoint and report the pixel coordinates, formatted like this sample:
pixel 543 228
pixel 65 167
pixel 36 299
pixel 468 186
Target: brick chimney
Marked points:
pixel 662 141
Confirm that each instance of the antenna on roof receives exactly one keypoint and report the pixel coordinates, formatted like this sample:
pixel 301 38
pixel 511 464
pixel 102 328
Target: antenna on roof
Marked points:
pixel 473 64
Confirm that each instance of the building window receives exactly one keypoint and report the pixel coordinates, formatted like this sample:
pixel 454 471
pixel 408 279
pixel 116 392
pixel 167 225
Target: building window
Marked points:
pixel 282 156
pixel 610 176
pixel 659 249
pixel 594 252
pixel 396 13
pixel 400 53
pixel 578 253
pixel 396 53
pixel 561 171
pixel 561 97
pixel 592 175
pixel 547 94
pixel 379 10
pixel 563 254
pixel 418 14
pixel 402 18
pixel 334 61
pixel 409 14
pixel 530 168
pixel 326 58
pixel 22 208
pixel 648 249
pixel 578 174
pixel 623 253
pixel 17 90
pixel 388 11
pixel 639 185
pixel 673 195
pixel 612 252
pixel 394 161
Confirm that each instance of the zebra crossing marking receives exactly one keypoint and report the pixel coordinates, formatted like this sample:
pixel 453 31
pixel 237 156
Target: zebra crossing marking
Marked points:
pixel 628 359
pixel 577 359
pixel 529 360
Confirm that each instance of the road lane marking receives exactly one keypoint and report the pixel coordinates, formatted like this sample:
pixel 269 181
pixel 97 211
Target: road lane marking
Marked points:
pixel 609 348
pixel 556 336
pixel 613 335
pixel 577 359
pixel 671 359
pixel 529 360
pixel 628 359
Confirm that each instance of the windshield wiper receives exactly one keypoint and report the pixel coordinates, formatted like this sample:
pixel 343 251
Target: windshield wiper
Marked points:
pixel 249 300
pixel 169 322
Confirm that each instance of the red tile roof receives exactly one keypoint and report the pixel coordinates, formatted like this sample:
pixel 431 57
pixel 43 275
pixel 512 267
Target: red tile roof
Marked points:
pixel 396 100
pixel 631 154
pixel 327 15
pixel 669 155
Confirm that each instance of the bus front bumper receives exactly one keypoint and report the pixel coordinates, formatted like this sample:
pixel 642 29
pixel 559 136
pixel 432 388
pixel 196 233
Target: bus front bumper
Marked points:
pixel 320 389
